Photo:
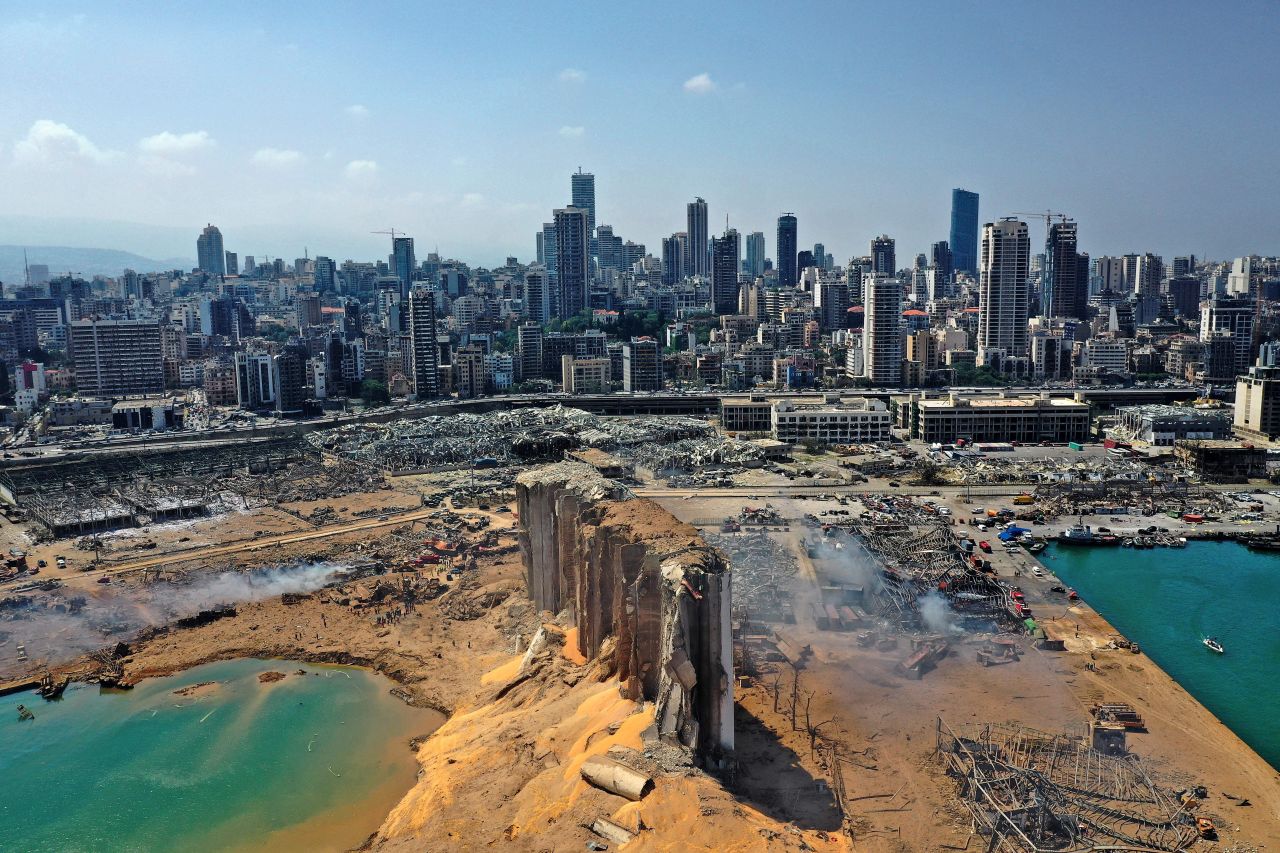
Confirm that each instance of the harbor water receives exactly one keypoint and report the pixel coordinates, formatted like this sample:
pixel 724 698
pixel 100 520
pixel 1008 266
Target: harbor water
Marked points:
pixel 1168 600
pixel 313 761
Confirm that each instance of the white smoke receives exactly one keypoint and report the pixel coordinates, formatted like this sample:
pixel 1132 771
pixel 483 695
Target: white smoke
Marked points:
pixel 81 622
pixel 936 613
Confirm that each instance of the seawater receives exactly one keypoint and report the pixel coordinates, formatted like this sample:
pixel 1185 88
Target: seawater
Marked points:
pixel 1168 600
pixel 312 762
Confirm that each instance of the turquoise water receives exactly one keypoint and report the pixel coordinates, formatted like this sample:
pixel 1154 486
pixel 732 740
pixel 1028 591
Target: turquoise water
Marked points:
pixel 1168 600
pixel 312 762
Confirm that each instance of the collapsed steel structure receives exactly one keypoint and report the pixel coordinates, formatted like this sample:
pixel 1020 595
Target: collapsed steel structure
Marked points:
pixel 917 556
pixel 1033 791
pixel 88 494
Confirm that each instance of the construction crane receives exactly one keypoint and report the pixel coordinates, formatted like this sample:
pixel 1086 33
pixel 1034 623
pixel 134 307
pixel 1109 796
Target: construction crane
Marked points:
pixel 393 232
pixel 1048 216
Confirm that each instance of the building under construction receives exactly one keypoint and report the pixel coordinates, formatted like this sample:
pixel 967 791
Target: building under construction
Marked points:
pixel 1031 791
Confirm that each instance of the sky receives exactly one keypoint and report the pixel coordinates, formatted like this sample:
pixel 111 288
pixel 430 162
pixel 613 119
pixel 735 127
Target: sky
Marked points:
pixel 311 125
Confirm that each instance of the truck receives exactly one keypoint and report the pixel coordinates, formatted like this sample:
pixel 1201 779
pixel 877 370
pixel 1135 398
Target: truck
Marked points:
pixel 1023 499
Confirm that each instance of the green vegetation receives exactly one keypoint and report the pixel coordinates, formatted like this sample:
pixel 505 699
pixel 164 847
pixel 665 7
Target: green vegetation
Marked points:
pixel 985 376
pixel 374 393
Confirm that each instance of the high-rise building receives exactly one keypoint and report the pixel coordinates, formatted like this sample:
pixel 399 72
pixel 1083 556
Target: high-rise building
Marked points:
pixel 641 365
pixel 755 254
pixel 325 276
pixel 117 358
pixel 964 230
pixel 1184 265
pixel 1063 293
pixel 1108 274
pixel 1004 290
pixel 724 272
pixel 232 263
pixel 672 259
pixel 1148 273
pixel 696 214
pixel 289 370
pixel 537 295
pixel 882 330
pixel 210 255
pixel 424 351
pixel 549 260
pixel 942 259
pixel 573 262
pixel 537 252
pixel 787 272
pixel 405 264
pixel 583 195
pixel 1226 317
pixel 883 258
pixel 819 256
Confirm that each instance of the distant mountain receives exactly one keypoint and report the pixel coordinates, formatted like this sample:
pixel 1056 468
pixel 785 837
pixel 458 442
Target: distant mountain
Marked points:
pixel 81 261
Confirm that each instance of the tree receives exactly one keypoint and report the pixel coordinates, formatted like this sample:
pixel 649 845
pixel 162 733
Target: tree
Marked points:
pixel 928 472
pixel 374 393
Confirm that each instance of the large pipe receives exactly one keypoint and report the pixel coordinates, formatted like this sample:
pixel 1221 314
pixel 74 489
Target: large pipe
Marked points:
pixel 616 777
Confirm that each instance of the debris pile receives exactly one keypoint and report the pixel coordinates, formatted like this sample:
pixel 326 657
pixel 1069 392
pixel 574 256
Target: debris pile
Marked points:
pixel 516 436
pixel 1033 791
pixel 763 569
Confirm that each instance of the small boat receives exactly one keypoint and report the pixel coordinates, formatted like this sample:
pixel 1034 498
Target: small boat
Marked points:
pixel 1212 644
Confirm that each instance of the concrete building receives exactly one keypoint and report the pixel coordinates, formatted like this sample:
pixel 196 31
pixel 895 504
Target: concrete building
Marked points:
pixel 1161 425
pixel 468 371
pixel 117 357
pixel 724 272
pixel 573 261
pixel 1257 409
pixel 1222 461
pixel 424 348
pixel 582 194
pixel 1004 289
pixel 1027 419
pixel 1233 316
pixel 882 330
pixel 586 375
pixel 641 365
pixel 255 380
pixel 696 262
pixel 834 420
pixel 210 256
pixel 1107 354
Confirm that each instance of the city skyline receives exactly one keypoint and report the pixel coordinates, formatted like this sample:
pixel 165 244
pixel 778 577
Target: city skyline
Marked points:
pixel 127 144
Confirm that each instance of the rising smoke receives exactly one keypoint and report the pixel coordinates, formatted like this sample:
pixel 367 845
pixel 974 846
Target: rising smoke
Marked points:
pixel 936 613
pixel 57 628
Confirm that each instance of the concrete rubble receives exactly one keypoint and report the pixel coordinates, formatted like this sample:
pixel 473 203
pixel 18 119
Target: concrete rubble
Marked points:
pixel 640 585
pixel 520 435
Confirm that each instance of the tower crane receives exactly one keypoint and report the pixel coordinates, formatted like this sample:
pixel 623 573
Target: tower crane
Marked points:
pixel 393 232
pixel 1048 216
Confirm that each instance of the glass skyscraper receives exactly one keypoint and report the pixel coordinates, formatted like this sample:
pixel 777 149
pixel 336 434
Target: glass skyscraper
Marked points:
pixel 787 250
pixel 964 231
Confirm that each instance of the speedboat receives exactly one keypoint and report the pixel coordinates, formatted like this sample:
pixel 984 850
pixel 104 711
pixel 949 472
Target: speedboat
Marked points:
pixel 1212 644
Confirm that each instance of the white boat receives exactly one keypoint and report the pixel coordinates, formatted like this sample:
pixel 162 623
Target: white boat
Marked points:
pixel 1212 644
pixel 1077 533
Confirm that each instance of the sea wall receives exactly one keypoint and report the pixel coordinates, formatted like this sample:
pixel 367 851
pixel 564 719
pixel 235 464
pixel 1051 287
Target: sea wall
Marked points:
pixel 640 586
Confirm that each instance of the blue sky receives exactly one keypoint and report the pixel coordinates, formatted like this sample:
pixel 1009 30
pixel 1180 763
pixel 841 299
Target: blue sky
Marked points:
pixel 291 124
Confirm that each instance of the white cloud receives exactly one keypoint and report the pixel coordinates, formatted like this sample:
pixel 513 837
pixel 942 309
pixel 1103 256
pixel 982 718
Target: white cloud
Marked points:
pixel 165 167
pixel 276 157
pixel 176 143
pixel 573 75
pixel 700 84
pixel 358 111
pixel 361 171
pixel 50 142
pixel 572 132
pixel 472 200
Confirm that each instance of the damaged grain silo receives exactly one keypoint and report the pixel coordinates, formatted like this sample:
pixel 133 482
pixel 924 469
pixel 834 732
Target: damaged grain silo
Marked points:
pixel 626 568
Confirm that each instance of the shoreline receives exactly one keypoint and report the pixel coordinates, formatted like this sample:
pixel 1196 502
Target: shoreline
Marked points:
pixel 1177 708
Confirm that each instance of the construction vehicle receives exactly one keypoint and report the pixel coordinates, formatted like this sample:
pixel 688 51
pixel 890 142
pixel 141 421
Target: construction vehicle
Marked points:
pixel 1206 828
pixel 998 651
